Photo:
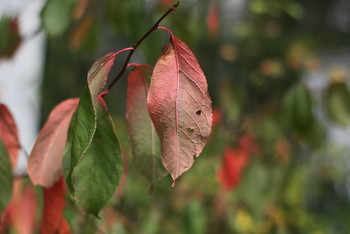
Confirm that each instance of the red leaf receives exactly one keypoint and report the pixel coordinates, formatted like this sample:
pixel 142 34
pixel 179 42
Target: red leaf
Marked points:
pixel 22 209
pixel 233 164
pixel 216 117
pixel 180 107
pixel 213 19
pixel 166 3
pixel 53 221
pixel 9 134
pixel 4 222
pixel 45 161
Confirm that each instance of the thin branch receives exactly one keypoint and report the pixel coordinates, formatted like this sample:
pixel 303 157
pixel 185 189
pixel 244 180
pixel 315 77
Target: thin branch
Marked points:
pixel 153 28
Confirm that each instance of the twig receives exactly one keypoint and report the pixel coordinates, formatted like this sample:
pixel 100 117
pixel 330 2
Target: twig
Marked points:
pixel 153 28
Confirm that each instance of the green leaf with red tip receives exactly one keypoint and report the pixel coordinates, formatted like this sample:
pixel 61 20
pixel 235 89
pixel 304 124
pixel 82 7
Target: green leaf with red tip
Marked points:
pixel 93 163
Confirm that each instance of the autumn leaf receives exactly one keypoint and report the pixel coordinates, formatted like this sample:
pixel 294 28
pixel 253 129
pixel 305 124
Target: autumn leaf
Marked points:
pixel 213 19
pixel 6 178
pixel 45 161
pixel 22 209
pixel 234 162
pixel 93 164
pixel 54 201
pixel 180 107
pixel 144 139
pixel 9 134
pixel 166 3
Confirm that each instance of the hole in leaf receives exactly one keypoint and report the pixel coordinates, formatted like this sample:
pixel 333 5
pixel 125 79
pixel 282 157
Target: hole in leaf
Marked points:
pixel 198 112
pixel 190 130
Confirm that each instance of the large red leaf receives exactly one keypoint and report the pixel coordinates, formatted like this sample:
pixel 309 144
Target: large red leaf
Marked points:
pixel 180 107
pixel 45 161
pixel 22 209
pixel 53 221
pixel 9 134
pixel 143 137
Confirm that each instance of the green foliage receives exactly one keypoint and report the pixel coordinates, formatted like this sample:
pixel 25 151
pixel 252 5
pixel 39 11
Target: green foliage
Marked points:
pixel 337 104
pixel 6 178
pixel 57 16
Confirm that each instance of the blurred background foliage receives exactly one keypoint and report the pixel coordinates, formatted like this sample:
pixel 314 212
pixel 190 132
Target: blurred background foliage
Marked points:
pixel 278 73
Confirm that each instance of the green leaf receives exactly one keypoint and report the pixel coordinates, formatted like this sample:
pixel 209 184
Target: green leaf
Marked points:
pixel 97 174
pixel 6 178
pixel 92 165
pixel 57 15
pixel 338 103
pixel 298 108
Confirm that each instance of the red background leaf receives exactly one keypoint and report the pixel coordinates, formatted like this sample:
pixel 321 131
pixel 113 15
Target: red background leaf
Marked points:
pixel 22 208
pixel 213 19
pixel 53 221
pixel 45 161
pixel 234 162
pixel 9 134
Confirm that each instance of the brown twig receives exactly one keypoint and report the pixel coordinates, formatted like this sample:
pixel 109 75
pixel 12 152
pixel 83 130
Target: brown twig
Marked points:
pixel 152 29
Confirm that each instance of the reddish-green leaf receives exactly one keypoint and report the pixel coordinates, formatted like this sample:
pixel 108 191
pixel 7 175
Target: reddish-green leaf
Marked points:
pixel 9 134
pixel 45 161
pixel 52 218
pixel 144 139
pixel 180 107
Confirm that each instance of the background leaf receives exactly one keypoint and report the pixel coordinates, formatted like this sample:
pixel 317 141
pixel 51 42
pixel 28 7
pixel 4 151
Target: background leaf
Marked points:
pixel 56 16
pixel 9 134
pixel 45 161
pixel 6 178
pixel 144 139
pixel 338 103
pixel 54 202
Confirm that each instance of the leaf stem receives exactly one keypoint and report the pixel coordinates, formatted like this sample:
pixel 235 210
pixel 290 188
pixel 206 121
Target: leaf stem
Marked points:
pixel 152 29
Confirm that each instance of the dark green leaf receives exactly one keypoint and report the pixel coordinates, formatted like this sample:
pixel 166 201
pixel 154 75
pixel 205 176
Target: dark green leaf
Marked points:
pixel 92 166
pixel 298 108
pixel 6 178
pixel 57 15
pixel 338 103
